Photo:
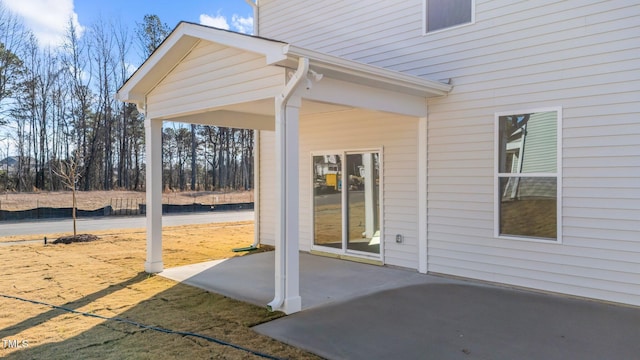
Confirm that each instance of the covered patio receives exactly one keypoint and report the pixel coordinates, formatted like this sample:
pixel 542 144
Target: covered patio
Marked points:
pixel 323 280
pixel 204 75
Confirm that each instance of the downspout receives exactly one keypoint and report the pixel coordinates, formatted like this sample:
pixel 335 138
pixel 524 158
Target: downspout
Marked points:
pixel 256 189
pixel 256 18
pixel 256 146
pixel 281 102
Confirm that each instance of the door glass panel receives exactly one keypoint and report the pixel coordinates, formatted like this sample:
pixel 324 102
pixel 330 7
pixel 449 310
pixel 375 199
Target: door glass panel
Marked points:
pixel 327 200
pixel 363 207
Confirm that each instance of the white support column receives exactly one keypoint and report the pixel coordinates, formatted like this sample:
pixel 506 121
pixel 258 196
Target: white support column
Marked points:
pixel 287 230
pixel 287 267
pixel 153 138
pixel 291 201
pixel 422 196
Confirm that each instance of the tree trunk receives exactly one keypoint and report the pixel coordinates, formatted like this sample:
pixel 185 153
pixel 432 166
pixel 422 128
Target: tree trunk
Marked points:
pixel 193 157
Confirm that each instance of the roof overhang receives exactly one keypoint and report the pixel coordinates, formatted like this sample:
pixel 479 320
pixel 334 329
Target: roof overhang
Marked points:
pixel 187 35
pixel 364 74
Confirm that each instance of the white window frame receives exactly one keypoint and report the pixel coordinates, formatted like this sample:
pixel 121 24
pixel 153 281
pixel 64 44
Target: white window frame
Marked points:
pixel 425 30
pixel 557 175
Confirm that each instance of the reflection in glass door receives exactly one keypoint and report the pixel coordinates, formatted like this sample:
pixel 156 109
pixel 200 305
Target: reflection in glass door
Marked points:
pixel 327 200
pixel 363 207
pixel 346 205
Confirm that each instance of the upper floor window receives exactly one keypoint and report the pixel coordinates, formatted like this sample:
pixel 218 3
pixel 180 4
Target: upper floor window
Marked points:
pixel 443 14
pixel 528 172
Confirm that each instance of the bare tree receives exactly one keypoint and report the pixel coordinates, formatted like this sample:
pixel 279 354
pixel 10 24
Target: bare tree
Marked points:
pixel 105 71
pixel 59 104
pixel 79 75
pixel 12 35
pixel 70 172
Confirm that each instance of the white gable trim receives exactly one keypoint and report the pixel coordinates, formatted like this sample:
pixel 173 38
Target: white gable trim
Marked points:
pixel 179 44
pixel 187 35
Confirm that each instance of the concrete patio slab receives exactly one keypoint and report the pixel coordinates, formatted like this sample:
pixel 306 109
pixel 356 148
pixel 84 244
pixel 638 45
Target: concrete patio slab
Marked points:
pixel 360 311
pixel 462 321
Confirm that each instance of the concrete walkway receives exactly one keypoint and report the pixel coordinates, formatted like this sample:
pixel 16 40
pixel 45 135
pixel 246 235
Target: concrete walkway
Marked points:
pixel 48 226
pixel 358 311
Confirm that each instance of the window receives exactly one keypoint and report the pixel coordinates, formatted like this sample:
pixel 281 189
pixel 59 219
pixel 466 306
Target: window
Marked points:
pixel 527 174
pixel 443 14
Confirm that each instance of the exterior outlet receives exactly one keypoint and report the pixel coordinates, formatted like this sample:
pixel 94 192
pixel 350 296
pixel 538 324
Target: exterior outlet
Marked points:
pixel 399 238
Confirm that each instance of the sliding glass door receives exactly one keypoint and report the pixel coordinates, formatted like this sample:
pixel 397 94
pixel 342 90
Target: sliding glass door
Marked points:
pixel 327 200
pixel 346 202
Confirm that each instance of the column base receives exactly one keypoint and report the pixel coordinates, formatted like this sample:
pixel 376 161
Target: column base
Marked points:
pixel 153 267
pixel 292 305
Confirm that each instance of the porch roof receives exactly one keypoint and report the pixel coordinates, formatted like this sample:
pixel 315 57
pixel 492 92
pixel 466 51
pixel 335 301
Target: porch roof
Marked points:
pixel 186 36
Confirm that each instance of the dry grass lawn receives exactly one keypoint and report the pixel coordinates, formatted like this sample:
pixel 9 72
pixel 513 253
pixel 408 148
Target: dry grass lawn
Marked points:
pixel 106 277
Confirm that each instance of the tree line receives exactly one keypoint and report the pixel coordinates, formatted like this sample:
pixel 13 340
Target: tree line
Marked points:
pixel 57 106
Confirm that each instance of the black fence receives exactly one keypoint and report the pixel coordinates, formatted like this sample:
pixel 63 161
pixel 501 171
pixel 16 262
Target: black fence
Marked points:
pixel 62 213
pixel 52 213
pixel 173 208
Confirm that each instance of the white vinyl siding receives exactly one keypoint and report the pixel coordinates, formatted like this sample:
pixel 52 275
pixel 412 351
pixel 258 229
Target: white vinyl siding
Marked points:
pixel 540 55
pixel 580 55
pixel 267 187
pixel 213 75
pixel 359 129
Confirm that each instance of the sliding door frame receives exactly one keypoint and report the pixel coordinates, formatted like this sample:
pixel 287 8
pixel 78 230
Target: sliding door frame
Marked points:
pixel 343 250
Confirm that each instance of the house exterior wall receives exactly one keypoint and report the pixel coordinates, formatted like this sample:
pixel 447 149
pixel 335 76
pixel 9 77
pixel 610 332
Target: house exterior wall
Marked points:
pixel 212 75
pixel 395 135
pixel 581 56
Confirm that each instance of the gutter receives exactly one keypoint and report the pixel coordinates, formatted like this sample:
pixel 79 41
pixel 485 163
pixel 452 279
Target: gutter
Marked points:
pixel 327 64
pixel 281 264
pixel 256 146
pixel 256 188
pixel 256 17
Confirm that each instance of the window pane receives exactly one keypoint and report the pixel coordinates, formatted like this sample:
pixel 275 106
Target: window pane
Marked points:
pixel 447 13
pixel 528 206
pixel 528 143
pixel 363 206
pixel 327 200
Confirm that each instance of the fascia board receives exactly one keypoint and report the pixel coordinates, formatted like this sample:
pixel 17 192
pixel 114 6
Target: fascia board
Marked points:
pixel 370 74
pixel 158 65
pixel 271 49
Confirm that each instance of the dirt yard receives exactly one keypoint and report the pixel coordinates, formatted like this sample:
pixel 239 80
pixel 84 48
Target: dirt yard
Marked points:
pixel 91 200
pixel 106 277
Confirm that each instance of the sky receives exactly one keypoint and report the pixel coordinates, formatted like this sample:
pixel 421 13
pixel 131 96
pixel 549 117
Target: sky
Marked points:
pixel 48 19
